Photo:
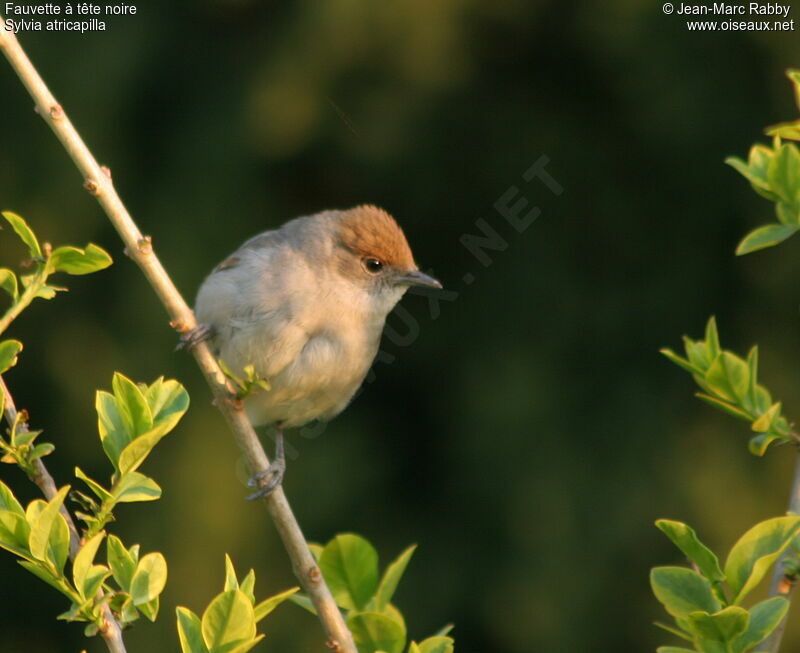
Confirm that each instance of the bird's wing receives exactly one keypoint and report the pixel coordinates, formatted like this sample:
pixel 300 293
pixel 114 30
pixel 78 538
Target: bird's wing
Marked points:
pixel 248 300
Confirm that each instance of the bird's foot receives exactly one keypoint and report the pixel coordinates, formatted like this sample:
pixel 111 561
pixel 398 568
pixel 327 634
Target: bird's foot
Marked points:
pixel 192 337
pixel 270 478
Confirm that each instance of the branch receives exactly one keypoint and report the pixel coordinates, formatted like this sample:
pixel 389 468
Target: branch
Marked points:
pixel 783 584
pixel 111 631
pixel 139 248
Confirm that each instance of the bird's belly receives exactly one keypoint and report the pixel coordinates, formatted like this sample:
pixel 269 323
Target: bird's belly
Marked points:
pixel 317 384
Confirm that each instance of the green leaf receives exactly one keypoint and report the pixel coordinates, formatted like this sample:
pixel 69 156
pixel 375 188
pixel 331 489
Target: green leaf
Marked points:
pixel 48 577
pixel 444 630
pixel 95 578
pixel 755 170
pixel 728 377
pixel 8 501
pixel 697 353
pixel 8 282
pixel 149 578
pixel 133 486
pixel 14 533
pixel 758 443
pixel 682 591
pixel 751 401
pixel 304 602
pixel 674 649
pixel 150 609
pixel 680 362
pixel 228 620
pixel 712 338
pixel 9 350
pixel 134 454
pixel 128 613
pixel 83 563
pixel 189 631
pixel 783 173
pixel 756 551
pixel 787 213
pixel 231 582
pixel 350 566
pixel 41 450
pixel 168 401
pixel 114 435
pixel 133 406
pixel 437 645
pixel 24 232
pixel 79 261
pixel 391 577
pixel 766 236
pixel 99 490
pixel 764 618
pixel 787 130
pixel 673 630
pixel 724 406
pixel 767 419
pixel 268 605
pixel 45 529
pixel 794 77
pixel 720 628
pixel 374 631
pixel 242 647
pixel 122 563
pixel 684 537
pixel 248 585
pixel 48 292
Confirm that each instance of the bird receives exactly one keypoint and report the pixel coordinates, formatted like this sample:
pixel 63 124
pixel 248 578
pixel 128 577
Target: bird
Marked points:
pixel 305 306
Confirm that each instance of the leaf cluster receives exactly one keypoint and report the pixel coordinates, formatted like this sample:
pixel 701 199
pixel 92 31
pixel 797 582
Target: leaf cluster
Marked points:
pixel 774 173
pixel 228 624
pixel 130 421
pixel 20 448
pixel 349 564
pixel 706 602
pixel 730 383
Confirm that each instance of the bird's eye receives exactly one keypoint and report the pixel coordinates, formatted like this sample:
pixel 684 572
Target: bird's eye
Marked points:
pixel 373 265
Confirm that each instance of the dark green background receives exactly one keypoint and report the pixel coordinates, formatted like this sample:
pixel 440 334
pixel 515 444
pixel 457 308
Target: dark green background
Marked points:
pixel 531 433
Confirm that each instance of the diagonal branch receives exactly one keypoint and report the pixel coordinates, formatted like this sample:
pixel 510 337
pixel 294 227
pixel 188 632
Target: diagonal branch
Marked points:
pixel 139 248
pixel 111 631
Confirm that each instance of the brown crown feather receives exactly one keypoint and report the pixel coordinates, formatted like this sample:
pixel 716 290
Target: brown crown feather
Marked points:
pixel 369 231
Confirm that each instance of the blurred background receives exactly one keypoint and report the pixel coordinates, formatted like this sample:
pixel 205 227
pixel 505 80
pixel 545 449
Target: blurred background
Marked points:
pixel 526 432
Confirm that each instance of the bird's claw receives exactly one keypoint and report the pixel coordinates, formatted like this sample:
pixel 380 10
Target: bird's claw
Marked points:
pixel 270 478
pixel 267 480
pixel 192 337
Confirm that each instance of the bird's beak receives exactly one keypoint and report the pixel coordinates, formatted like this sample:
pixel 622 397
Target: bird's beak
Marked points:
pixel 417 278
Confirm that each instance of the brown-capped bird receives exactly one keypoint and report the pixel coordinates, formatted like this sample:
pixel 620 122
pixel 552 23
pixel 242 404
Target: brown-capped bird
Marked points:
pixel 305 305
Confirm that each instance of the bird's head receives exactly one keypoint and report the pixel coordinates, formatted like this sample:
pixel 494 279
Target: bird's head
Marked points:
pixel 374 253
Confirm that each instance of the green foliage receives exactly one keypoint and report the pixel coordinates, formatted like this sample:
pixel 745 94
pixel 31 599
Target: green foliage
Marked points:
pixel 43 262
pixel 20 447
pixel 349 564
pixel 774 173
pixel 730 383
pixel 244 384
pixel 707 604
pixel 40 535
pixel 228 624
pixel 131 421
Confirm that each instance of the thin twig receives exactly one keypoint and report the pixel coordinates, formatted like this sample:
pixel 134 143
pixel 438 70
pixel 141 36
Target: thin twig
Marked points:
pixel 783 584
pixel 139 248
pixel 111 632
